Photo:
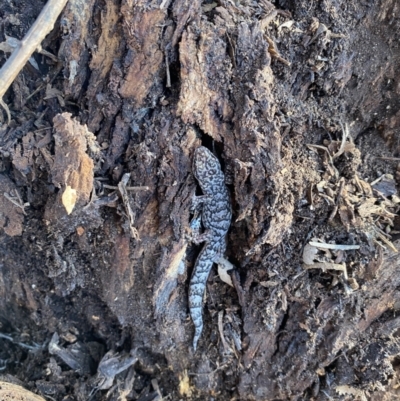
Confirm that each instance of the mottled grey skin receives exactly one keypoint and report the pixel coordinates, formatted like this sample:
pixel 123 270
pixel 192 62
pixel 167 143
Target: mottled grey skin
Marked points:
pixel 216 218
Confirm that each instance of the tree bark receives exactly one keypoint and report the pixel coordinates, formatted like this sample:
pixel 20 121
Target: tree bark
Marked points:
pixel 142 85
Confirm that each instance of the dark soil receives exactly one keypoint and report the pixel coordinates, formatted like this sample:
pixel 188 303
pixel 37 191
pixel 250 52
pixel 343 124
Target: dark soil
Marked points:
pixel 300 102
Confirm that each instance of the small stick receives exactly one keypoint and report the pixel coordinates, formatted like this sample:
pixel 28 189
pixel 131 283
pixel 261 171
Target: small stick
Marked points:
pixel 338 199
pixel 17 202
pixel 328 266
pixel 334 246
pixel 392 159
pixel 325 149
pixel 345 134
pixel 221 331
pixel 30 347
pixel 386 241
pixel 273 51
pixel 168 85
pixel 328 198
pixel 31 42
pixel 156 387
pixel 36 91
pixel 377 180
pixel 5 107
pixel 125 200
pixel 127 188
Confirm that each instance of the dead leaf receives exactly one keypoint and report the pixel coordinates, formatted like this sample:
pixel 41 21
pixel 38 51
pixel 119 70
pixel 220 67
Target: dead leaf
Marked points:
pixel 223 267
pixel 347 390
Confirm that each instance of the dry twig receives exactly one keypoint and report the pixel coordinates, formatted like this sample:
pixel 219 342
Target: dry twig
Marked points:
pixel 328 266
pixel 345 135
pixel 125 200
pixel 227 348
pixel 16 200
pixel 334 246
pixel 25 48
pixel 338 199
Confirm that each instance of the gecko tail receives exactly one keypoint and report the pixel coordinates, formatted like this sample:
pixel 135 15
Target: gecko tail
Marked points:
pixel 198 287
pixel 197 331
pixel 196 311
pixel 197 318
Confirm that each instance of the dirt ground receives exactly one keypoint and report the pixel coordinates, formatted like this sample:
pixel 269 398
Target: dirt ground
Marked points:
pixel 300 101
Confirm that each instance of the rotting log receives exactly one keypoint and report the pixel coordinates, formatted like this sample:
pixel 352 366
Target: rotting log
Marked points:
pixel 283 331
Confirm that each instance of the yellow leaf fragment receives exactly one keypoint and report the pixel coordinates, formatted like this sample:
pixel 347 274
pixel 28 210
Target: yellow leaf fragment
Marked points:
pixel 184 385
pixel 69 199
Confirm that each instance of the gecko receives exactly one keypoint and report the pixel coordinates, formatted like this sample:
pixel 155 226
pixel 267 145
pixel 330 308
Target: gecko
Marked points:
pixel 215 216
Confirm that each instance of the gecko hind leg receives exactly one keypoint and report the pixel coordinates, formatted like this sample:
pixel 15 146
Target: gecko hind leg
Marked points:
pixel 196 237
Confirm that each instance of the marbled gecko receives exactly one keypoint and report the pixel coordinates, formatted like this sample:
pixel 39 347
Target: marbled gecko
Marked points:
pixel 216 218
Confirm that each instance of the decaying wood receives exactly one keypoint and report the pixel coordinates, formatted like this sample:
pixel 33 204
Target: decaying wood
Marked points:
pixel 12 209
pixel 312 310
pixel 11 392
pixel 72 169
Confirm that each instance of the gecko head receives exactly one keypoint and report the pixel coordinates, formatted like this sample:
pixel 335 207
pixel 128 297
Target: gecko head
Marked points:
pixel 206 165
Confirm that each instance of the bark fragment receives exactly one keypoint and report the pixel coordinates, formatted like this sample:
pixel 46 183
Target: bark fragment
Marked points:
pixel 72 167
pixel 11 208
